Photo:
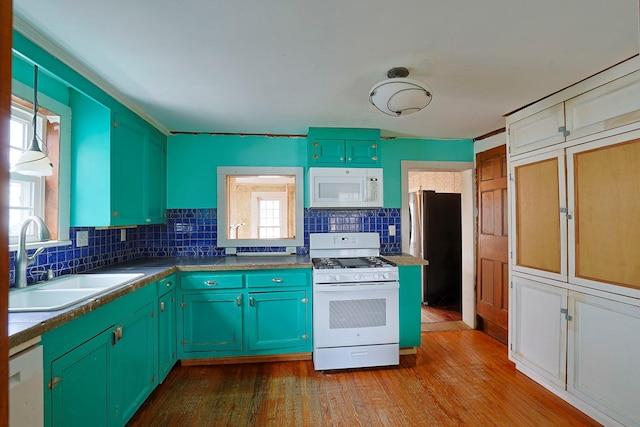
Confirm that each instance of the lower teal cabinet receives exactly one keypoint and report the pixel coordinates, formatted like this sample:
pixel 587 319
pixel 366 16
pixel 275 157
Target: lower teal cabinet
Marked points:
pixel 212 321
pixel 268 312
pixel 134 362
pixel 277 320
pixel 100 367
pixel 410 305
pixel 80 382
pixel 167 347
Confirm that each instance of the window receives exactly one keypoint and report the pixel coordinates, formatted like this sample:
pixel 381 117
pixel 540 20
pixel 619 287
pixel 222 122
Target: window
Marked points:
pixel 47 197
pixel 26 193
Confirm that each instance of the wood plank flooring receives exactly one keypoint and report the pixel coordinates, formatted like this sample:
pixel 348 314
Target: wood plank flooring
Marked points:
pixel 456 378
pixel 430 314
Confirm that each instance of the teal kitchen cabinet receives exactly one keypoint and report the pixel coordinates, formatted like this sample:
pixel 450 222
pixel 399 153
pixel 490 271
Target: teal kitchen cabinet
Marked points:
pixel 337 152
pixel 410 300
pixel 211 313
pixel 118 168
pixel 167 334
pixel 337 147
pixel 228 314
pixel 100 367
pixel 277 320
pixel 80 384
pixel 134 366
pixel 212 321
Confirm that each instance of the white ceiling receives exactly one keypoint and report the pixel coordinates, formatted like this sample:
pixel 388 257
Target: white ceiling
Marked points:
pixel 282 66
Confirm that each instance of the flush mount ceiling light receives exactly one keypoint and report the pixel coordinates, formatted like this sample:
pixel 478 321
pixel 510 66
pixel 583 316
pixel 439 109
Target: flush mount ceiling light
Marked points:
pixel 33 161
pixel 399 96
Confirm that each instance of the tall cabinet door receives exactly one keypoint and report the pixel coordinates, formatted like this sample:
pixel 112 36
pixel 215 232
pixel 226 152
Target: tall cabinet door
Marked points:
pixel 604 235
pixel 539 213
pixel 127 172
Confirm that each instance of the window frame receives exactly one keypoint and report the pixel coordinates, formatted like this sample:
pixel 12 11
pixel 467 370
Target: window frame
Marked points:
pixel 25 92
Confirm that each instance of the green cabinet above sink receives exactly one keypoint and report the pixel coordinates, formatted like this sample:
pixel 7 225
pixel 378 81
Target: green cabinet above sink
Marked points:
pixel 118 167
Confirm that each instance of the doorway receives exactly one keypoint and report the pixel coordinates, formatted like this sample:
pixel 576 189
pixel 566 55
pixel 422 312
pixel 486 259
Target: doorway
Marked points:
pixel 452 178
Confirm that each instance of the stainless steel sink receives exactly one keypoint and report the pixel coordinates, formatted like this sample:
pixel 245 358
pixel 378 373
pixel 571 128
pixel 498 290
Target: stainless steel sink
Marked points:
pixel 66 291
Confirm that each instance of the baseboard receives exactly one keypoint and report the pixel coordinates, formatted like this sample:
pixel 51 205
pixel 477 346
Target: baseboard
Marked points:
pixel 246 359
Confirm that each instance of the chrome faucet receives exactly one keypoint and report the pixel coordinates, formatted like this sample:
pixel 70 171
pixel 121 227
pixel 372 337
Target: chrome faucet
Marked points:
pixel 22 259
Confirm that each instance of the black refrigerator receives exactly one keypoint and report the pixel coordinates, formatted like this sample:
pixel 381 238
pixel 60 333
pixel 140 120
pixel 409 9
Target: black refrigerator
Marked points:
pixel 436 235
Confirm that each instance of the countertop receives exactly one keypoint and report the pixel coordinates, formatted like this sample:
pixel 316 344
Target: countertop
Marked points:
pixel 25 326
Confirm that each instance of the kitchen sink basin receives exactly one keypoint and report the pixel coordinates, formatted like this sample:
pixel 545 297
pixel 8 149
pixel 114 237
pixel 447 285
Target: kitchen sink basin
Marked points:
pixel 65 291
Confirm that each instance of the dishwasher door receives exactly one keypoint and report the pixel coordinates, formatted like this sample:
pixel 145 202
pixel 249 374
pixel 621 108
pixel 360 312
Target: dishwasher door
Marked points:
pixel 26 388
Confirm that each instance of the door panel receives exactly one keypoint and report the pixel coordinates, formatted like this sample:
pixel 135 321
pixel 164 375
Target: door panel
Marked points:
pixel 492 274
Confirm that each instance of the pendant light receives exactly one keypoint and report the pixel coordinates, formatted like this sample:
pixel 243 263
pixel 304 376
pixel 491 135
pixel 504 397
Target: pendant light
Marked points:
pixel 33 161
pixel 399 96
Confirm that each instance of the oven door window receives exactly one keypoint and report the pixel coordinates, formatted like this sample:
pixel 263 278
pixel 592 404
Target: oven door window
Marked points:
pixel 363 314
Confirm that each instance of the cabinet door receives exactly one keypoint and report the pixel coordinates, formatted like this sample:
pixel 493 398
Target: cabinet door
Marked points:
pixel 80 381
pixel 127 172
pixel 603 367
pixel 539 130
pixel 278 320
pixel 212 321
pixel 538 215
pixel 134 362
pixel 539 328
pixel 167 350
pixel 609 106
pixel 604 235
pixel 155 194
pixel 327 151
pixel 410 305
pixel 361 152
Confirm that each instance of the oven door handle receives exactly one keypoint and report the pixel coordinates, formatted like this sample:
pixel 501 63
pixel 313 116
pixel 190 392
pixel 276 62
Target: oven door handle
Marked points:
pixel 355 287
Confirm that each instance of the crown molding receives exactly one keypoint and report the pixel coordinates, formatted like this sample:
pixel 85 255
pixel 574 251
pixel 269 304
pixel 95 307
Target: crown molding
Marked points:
pixel 27 30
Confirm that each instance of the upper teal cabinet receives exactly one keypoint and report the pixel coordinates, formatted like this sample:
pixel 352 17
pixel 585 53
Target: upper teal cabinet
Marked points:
pixel 118 173
pixel 344 147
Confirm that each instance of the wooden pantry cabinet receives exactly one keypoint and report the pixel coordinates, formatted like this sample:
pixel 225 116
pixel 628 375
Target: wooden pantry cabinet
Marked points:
pixel 574 170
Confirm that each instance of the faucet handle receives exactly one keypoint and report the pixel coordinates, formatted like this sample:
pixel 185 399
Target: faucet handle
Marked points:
pixel 31 259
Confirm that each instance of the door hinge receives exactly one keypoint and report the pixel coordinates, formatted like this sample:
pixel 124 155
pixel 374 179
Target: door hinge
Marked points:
pixel 54 382
pixel 563 130
pixel 117 335
pixel 153 379
pixel 153 313
pixel 184 342
pixel 566 313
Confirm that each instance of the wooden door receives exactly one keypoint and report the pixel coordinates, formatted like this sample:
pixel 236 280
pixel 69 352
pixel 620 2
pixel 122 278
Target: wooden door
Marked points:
pixel 492 296
pixel 5 102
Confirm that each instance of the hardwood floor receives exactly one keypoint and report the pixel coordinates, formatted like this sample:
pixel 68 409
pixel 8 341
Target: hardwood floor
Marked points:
pixel 436 314
pixel 456 378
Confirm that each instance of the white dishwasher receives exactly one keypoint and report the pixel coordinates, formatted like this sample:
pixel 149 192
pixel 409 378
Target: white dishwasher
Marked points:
pixel 26 388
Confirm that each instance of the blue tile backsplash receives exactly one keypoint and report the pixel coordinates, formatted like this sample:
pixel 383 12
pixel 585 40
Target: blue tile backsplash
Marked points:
pixel 193 232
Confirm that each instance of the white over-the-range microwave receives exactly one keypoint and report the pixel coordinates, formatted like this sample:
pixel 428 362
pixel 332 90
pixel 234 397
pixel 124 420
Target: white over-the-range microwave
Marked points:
pixel 345 187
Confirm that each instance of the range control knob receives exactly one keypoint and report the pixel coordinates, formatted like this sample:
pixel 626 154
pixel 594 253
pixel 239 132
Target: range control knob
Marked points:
pixel 385 275
pixel 335 278
pixel 376 276
pixel 356 277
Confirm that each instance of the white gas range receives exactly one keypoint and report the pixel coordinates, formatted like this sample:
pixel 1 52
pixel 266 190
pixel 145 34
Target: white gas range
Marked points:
pixel 355 302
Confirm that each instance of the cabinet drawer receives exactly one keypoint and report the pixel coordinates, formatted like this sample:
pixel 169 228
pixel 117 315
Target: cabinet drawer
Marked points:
pixel 276 278
pixel 166 284
pixel 211 281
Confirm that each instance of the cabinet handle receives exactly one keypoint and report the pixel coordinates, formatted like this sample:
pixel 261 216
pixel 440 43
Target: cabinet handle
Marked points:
pixel 161 305
pixel 374 158
pixel 305 337
pixel 342 159
pixel 211 283
pixel 277 280
pixel 315 143
pixel 252 302
pixel 117 335
pixel 315 157
pixel 239 300
pixel 374 145
pixel 169 284
pixel 304 300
